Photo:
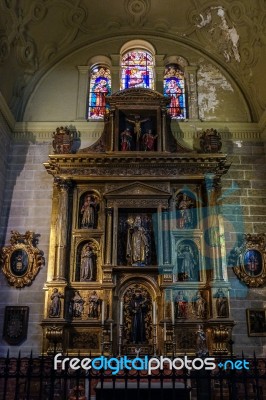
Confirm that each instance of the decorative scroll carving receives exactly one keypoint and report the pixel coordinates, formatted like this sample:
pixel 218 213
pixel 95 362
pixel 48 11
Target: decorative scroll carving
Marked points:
pixel 22 259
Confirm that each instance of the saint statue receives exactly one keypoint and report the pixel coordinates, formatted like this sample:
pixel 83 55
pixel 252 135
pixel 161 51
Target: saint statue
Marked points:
pixel 187 263
pixel 181 305
pixel 221 304
pixel 201 343
pixel 88 264
pixel 89 212
pixel 137 242
pixel 55 305
pixel 126 140
pixel 199 305
pixel 185 212
pixel 138 307
pixel 77 305
pixel 94 303
pixel 148 141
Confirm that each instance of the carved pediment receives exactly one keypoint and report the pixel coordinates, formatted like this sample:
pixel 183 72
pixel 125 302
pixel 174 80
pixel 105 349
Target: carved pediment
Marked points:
pixel 137 189
pixel 133 96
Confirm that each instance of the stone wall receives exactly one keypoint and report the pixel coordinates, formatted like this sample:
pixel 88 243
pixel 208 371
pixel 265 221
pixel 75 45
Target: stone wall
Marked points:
pixel 4 150
pixel 244 210
pixel 27 206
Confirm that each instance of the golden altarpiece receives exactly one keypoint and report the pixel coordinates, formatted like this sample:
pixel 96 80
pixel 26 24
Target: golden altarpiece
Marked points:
pixel 137 258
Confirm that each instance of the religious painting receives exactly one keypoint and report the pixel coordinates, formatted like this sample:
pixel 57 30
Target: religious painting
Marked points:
pixel 138 131
pixel 174 87
pixel 88 211
pixel 15 324
pixel 187 258
pixel 22 259
pixel 253 262
pixel 256 321
pixel 137 70
pixel 100 87
pixel 86 263
pixel 248 260
pixel 136 240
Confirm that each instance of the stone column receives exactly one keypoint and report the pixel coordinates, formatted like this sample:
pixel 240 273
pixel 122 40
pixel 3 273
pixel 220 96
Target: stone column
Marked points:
pixel 83 82
pixel 191 78
pixel 108 239
pixel 165 234
pixel 213 234
pixel 62 229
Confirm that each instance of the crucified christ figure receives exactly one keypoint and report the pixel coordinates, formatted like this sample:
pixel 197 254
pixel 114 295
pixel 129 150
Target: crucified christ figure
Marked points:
pixel 137 126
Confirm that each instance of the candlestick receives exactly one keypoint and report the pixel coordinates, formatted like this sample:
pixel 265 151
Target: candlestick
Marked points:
pixel 103 312
pixel 121 312
pixel 164 331
pixel 154 312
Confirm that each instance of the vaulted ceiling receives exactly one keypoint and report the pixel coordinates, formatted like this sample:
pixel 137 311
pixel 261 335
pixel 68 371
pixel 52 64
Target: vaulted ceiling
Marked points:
pixel 36 34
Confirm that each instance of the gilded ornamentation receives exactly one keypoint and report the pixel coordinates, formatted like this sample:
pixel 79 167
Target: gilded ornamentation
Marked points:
pixel 21 260
pixel 249 260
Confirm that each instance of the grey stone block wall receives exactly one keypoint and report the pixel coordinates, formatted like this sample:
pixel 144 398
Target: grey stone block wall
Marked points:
pixel 27 206
pixel 244 211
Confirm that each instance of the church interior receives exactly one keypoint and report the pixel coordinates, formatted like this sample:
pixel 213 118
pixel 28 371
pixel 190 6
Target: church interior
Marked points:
pixel 133 177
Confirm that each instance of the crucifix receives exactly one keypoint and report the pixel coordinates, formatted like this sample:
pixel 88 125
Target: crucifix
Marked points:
pixel 137 127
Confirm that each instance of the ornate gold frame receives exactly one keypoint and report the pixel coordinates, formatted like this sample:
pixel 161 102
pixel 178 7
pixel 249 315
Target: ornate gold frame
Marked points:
pixel 21 260
pixel 253 275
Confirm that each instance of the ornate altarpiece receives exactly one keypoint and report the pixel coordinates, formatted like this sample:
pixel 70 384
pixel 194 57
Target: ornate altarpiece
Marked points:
pixel 137 258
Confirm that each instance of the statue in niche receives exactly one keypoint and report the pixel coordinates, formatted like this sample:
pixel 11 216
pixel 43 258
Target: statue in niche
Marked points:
pixel 138 307
pixel 137 242
pixel 185 207
pixel 94 305
pixel 199 305
pixel 55 305
pixel 88 265
pixel 201 342
pixel 187 264
pixel 221 304
pixel 148 141
pixel 77 305
pixel 126 140
pixel 181 303
pixel 89 210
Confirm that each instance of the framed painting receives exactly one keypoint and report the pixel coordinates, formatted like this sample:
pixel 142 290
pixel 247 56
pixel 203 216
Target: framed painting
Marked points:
pixel 15 324
pixel 249 260
pixel 256 322
pixel 21 260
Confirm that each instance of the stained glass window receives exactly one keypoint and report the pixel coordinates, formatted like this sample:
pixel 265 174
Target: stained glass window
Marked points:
pixel 137 70
pixel 100 87
pixel 174 87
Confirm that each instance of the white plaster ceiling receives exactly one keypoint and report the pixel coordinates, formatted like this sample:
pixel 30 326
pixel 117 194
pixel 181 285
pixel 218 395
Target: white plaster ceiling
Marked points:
pixel 36 34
